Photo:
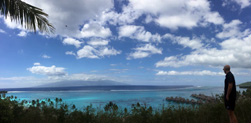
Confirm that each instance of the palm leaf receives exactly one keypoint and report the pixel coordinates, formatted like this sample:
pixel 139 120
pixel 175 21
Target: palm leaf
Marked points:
pixel 29 16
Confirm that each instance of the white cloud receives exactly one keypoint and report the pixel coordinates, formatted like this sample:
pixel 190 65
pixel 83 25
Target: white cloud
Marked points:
pixel 119 70
pixel 127 16
pixel 82 76
pixel 22 34
pixel 16 78
pixel 95 29
pixel 113 65
pixel 87 52
pixel 148 19
pixel 139 33
pixel 144 51
pixel 232 29
pixel 27 81
pixel 214 17
pixel 242 3
pixel 2 31
pixel 195 73
pixel 12 24
pixel 16 25
pixel 170 61
pixel 70 53
pixel 173 22
pixel 235 52
pixel 128 30
pixel 66 16
pixel 36 64
pixel 72 41
pixel 98 42
pixel 49 71
pixel 138 55
pixel 149 48
pixel 91 52
pixel 46 56
pixel 194 43
pixel 105 51
pixel 178 13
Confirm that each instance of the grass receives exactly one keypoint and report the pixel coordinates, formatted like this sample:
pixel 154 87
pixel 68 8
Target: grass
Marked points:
pixel 55 111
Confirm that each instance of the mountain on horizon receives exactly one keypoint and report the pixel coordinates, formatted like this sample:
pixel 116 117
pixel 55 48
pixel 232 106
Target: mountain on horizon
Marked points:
pixel 82 83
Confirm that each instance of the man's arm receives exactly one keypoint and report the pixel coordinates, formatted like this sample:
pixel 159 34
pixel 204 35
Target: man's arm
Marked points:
pixel 230 86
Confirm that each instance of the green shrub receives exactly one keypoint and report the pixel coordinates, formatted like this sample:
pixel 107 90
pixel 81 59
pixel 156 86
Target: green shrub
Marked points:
pixel 48 111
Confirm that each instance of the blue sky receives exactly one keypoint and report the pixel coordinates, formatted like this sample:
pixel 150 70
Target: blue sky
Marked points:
pixel 181 42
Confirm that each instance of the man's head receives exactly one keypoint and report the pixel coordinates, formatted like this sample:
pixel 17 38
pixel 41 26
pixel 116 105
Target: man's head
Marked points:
pixel 226 69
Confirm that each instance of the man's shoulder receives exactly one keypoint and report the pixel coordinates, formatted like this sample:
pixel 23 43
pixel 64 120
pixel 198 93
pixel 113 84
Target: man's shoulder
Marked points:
pixel 229 74
pixel 230 77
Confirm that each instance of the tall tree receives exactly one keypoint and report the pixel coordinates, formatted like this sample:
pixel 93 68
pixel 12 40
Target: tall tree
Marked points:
pixel 30 17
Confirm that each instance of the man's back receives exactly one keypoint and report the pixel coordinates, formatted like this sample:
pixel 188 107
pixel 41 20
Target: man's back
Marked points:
pixel 230 79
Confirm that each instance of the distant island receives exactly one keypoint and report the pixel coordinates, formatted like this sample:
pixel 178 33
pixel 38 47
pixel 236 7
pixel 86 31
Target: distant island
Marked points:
pixel 82 83
pixel 245 85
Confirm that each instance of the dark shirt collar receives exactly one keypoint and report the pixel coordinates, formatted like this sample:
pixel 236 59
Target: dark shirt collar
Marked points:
pixel 228 73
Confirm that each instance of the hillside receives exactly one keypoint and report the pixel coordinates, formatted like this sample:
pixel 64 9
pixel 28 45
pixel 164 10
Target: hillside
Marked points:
pixel 82 83
pixel 245 85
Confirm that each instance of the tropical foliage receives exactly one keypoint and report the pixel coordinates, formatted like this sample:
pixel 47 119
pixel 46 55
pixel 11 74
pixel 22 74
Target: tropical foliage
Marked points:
pixel 30 17
pixel 53 111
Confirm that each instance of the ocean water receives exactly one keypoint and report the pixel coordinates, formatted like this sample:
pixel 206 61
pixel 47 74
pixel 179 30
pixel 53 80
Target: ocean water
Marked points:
pixel 123 96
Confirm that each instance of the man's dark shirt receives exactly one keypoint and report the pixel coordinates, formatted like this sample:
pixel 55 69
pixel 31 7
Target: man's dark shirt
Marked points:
pixel 230 79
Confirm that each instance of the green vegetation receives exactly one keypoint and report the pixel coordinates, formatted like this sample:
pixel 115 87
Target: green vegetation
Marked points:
pixel 245 85
pixel 55 111
pixel 30 17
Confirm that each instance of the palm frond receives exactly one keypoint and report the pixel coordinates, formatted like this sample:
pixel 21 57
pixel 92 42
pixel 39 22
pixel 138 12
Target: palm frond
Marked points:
pixel 29 16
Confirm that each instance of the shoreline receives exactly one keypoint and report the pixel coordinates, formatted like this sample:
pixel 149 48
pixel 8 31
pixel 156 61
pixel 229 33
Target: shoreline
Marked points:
pixel 55 110
pixel 124 99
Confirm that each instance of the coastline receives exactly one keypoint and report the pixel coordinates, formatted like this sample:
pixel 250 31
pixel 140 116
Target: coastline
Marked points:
pixel 123 98
pixel 56 110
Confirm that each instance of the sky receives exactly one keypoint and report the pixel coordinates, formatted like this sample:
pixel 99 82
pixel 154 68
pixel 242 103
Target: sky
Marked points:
pixel 137 42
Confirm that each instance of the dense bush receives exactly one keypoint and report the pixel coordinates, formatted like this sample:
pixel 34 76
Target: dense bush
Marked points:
pixel 55 111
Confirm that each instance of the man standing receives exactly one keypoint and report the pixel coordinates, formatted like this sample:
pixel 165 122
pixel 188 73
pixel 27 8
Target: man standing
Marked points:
pixel 230 93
